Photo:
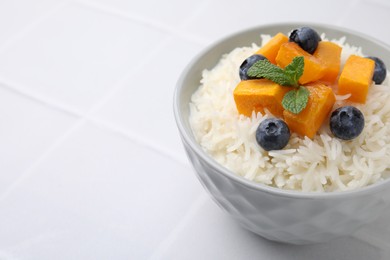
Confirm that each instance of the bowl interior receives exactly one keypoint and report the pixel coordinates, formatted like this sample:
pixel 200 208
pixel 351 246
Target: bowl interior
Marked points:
pixel 192 74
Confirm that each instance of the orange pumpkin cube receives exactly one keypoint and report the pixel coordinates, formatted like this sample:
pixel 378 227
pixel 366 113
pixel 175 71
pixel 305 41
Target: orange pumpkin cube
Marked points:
pixel 356 78
pixel 329 55
pixel 271 48
pixel 313 68
pixel 256 95
pixel 310 119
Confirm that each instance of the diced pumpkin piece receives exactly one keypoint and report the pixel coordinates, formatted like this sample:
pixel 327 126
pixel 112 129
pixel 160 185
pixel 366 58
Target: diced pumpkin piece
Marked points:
pixel 271 48
pixel 356 78
pixel 256 95
pixel 310 119
pixel 329 55
pixel 313 69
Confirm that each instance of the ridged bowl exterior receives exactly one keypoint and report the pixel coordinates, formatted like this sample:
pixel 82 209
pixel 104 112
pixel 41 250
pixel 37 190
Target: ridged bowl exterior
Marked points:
pixel 282 218
pixel 286 216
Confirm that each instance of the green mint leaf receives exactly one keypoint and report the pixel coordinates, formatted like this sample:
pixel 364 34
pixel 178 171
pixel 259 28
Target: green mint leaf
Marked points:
pixel 294 70
pixel 296 100
pixel 285 77
pixel 265 69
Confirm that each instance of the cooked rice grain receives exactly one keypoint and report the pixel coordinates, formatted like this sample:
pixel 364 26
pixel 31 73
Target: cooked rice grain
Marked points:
pixel 322 164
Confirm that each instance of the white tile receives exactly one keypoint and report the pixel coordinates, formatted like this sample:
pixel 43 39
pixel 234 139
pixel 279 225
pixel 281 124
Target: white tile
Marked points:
pixel 169 12
pixel 221 18
pixel 77 55
pixel 211 234
pixel 98 196
pixel 370 18
pixel 144 105
pixel 18 14
pixel 27 129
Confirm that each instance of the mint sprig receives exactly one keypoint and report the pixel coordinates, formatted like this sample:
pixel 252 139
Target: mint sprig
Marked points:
pixel 295 100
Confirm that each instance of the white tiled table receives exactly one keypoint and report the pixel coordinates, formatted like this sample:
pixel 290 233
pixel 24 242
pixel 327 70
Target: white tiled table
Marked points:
pixel 91 165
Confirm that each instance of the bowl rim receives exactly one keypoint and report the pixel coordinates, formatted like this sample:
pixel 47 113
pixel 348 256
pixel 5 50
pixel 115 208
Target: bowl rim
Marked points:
pixel 195 146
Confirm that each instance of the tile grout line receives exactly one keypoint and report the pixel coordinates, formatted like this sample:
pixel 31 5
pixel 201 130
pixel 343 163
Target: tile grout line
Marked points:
pixel 119 85
pixel 123 14
pixel 203 4
pixel 42 157
pixel 161 150
pixel 13 38
pixel 12 86
pixel 182 32
pixel 41 100
pixel 170 239
pixel 147 21
pixel 83 117
pixel 172 236
pixel 53 104
pixel 87 117
pixel 97 122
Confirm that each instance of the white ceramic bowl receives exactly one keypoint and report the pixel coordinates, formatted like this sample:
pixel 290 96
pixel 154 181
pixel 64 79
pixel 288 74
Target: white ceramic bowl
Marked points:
pixel 286 216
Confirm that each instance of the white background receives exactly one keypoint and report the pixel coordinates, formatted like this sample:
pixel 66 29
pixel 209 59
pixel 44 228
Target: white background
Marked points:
pixel 91 165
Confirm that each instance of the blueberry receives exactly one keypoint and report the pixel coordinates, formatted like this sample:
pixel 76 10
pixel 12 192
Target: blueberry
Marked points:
pixel 346 122
pixel 272 134
pixel 380 70
pixel 247 64
pixel 306 38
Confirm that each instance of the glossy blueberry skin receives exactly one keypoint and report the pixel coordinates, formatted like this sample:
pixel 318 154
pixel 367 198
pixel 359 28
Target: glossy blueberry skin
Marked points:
pixel 247 64
pixel 380 70
pixel 272 134
pixel 306 38
pixel 346 122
